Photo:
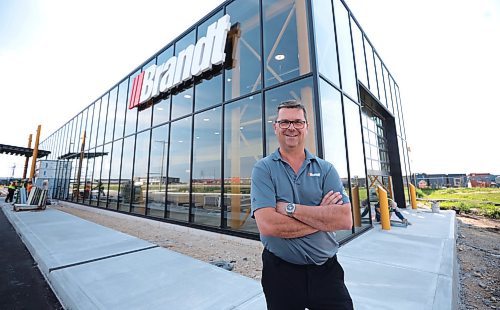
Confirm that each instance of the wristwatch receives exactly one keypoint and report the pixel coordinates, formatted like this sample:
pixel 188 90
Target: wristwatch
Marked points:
pixel 290 209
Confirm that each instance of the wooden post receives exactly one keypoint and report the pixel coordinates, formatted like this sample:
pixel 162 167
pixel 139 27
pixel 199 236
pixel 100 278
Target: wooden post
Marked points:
pixel 356 206
pixel 35 153
pixel 25 171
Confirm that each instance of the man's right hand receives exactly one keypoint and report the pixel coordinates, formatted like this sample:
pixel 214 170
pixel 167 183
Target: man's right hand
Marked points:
pixel 332 198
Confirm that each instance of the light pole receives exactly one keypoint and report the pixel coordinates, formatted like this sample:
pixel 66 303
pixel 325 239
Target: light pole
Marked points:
pixel 162 159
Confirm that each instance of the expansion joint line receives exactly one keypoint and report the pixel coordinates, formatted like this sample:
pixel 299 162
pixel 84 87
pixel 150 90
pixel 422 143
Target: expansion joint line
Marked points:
pixel 101 258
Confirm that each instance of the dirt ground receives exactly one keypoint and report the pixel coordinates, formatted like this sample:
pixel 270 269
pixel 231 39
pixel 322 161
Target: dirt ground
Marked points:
pixel 478 250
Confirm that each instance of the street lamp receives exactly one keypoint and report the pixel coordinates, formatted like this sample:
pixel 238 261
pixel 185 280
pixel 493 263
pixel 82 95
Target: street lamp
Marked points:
pixel 162 159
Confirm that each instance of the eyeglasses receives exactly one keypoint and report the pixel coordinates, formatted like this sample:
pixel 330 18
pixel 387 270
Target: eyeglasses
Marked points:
pixel 285 124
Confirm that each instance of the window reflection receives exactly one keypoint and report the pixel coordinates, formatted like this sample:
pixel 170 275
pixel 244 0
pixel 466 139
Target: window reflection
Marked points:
pixel 359 193
pixel 126 184
pixel 161 110
pixel 103 185
pixel 359 53
pixel 242 149
pixel 285 25
pixel 244 74
pixel 206 184
pixel 110 124
pixel 145 113
pixel 131 114
pixel 114 177
pixel 208 92
pixel 300 91
pixel 182 103
pixel 157 186
pixel 140 179
pixel 370 62
pixel 96 178
pixel 121 108
pixel 349 84
pixel 179 170
pixel 102 120
pixel 326 48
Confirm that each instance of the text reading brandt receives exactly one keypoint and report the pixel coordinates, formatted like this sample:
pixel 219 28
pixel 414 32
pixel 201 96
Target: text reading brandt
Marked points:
pixel 192 61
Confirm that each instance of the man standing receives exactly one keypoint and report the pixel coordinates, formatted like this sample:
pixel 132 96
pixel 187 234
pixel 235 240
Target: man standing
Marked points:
pixel 298 201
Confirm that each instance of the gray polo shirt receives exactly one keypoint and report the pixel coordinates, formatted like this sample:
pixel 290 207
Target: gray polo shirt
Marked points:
pixel 273 180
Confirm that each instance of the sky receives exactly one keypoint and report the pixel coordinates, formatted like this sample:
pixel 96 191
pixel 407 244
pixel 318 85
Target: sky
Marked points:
pixel 56 57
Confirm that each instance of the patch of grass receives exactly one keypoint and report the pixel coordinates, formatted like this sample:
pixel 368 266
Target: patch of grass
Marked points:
pixel 481 201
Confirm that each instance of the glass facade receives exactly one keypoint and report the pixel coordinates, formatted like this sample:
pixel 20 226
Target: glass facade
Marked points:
pixel 186 156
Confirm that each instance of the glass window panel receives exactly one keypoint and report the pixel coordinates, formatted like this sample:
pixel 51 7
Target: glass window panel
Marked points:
pixel 326 47
pixel 285 25
pixel 359 53
pixel 333 129
pixel 121 108
pixel 179 170
pixel 140 179
pixel 182 103
pixel 95 123
pixel 380 80
pixel 110 124
pixel 96 178
pixel 88 180
pixel 349 83
pixel 244 74
pixel 388 90
pixel 102 120
pixel 145 113
pixel 242 149
pixel 126 183
pixel 114 176
pixel 131 114
pixel 103 185
pixel 359 193
pixel 300 91
pixel 206 182
pixel 372 79
pixel 158 172
pixel 161 110
pixel 89 126
pixel 208 92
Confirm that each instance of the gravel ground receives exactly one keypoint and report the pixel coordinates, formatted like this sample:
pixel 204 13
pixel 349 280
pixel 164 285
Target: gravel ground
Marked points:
pixel 242 254
pixel 478 249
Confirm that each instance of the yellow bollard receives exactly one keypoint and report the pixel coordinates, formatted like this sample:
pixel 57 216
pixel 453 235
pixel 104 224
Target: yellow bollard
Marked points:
pixel 413 196
pixel 384 208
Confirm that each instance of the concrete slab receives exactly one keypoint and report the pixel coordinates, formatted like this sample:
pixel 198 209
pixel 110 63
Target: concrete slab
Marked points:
pixel 93 267
pixel 153 279
pixel 57 239
pixel 383 286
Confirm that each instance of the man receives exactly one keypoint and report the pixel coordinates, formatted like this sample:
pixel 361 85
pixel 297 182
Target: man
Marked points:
pixel 298 201
pixel 11 189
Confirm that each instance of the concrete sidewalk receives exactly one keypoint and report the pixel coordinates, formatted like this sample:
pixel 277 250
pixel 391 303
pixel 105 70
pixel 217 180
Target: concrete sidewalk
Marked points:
pixel 93 267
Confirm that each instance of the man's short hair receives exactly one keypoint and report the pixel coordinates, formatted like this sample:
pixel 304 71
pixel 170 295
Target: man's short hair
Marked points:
pixel 292 104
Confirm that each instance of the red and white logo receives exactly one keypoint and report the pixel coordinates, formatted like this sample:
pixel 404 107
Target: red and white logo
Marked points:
pixel 192 61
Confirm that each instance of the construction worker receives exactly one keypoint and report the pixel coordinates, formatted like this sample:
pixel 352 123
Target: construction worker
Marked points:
pixel 11 190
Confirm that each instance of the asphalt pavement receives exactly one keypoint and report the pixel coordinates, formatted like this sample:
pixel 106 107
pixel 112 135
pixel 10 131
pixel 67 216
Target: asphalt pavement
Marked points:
pixel 22 286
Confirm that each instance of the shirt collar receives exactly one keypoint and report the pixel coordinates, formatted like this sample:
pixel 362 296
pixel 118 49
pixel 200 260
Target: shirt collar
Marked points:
pixel 277 156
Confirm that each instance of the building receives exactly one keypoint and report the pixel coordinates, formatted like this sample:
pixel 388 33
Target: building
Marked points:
pixel 177 138
pixel 440 180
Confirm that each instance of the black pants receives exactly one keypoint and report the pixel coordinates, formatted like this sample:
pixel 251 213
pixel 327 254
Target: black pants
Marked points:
pixel 10 195
pixel 288 286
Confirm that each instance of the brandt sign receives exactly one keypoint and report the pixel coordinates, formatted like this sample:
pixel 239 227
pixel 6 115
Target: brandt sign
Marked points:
pixel 190 62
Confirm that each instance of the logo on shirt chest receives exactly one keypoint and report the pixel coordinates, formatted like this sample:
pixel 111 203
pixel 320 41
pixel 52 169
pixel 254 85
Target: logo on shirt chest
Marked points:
pixel 313 174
